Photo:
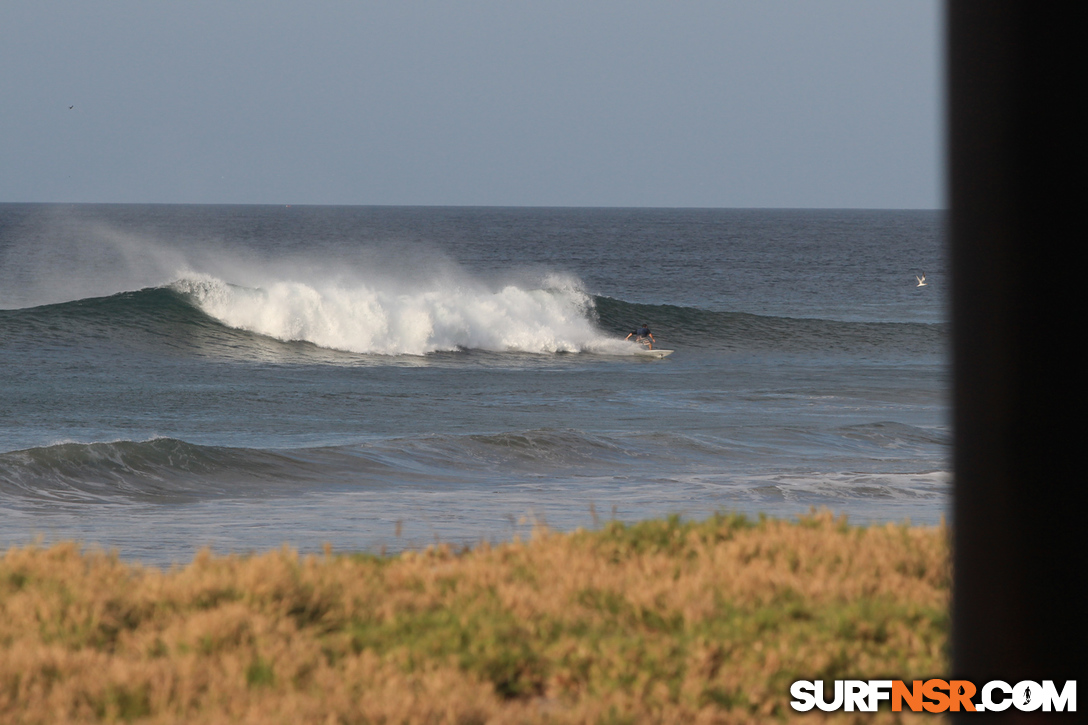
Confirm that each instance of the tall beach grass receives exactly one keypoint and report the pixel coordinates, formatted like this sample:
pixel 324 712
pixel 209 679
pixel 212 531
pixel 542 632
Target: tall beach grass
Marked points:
pixel 658 622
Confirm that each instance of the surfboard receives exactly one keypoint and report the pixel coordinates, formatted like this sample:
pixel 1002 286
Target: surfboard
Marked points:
pixel 654 353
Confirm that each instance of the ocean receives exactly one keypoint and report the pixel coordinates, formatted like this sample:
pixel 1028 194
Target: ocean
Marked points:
pixel 376 378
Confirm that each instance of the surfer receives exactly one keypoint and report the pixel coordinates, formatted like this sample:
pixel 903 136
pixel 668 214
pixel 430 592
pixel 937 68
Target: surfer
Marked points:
pixel 644 336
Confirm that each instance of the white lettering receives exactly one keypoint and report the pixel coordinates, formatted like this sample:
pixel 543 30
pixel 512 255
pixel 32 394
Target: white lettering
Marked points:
pixel 1067 698
pixel 834 704
pixel 996 705
pixel 857 695
pixel 804 693
pixel 1027 696
pixel 879 690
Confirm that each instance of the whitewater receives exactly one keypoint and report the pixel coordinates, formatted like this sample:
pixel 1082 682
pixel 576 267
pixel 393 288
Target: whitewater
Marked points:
pixel 242 377
pixel 409 319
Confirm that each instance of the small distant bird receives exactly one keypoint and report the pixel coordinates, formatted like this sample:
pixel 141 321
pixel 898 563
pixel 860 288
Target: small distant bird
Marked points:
pixel 70 107
pixel 921 280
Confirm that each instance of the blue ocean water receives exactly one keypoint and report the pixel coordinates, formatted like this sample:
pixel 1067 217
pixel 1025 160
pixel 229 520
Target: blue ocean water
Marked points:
pixel 239 377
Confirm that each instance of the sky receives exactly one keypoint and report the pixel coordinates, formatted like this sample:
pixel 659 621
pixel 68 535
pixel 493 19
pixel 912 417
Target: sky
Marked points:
pixel 761 103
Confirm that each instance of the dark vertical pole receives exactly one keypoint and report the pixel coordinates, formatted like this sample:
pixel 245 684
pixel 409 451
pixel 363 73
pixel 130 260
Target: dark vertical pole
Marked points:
pixel 1017 163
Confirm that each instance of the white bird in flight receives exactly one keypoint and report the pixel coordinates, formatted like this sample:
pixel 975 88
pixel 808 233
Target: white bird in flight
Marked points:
pixel 921 280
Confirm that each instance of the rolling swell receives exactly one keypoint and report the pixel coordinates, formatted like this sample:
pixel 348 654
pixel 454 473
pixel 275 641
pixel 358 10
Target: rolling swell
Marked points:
pixel 690 327
pixel 153 470
pixel 157 319
pixel 165 470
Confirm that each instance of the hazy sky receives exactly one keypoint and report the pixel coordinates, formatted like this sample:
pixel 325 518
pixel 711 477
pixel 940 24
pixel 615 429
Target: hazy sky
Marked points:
pixel 762 103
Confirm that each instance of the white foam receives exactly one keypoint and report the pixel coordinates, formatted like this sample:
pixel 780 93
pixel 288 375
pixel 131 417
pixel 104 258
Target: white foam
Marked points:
pixel 392 317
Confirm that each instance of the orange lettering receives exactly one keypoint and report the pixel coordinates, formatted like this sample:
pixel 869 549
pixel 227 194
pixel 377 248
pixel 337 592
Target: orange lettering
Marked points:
pixel 963 697
pixel 913 697
pixel 932 690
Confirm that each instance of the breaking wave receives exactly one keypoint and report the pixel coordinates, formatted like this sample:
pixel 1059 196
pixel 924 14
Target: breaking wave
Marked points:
pixel 400 320
pixel 286 319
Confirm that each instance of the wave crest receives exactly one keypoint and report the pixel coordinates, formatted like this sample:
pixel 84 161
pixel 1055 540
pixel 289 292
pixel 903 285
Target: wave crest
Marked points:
pixel 398 319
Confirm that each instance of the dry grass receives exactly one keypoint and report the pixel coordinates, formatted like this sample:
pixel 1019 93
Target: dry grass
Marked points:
pixel 664 621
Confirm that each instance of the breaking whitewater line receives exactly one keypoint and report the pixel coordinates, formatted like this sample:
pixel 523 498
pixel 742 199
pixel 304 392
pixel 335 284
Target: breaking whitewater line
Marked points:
pixel 399 319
